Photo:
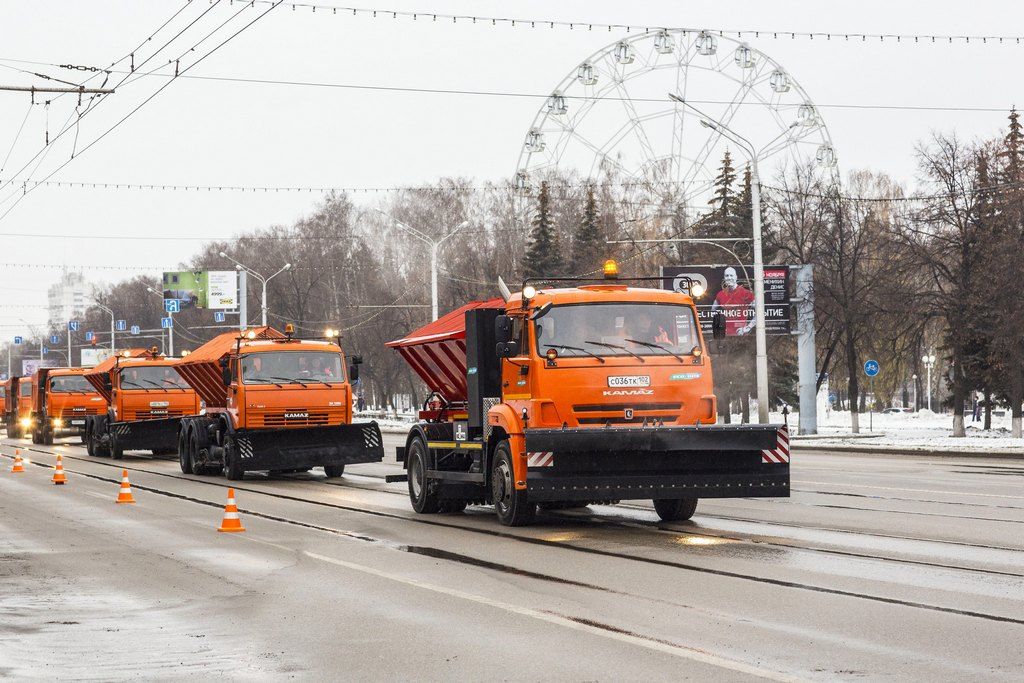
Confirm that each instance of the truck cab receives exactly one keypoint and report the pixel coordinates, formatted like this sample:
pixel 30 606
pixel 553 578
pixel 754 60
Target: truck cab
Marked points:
pixel 62 400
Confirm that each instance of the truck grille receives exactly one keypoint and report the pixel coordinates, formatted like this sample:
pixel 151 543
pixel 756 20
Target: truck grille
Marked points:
pixel 615 413
pixel 295 418
pixel 68 413
pixel 155 414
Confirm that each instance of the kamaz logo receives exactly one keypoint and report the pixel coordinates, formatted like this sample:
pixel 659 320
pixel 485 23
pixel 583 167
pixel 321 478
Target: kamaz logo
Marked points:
pixel 296 416
pixel 629 392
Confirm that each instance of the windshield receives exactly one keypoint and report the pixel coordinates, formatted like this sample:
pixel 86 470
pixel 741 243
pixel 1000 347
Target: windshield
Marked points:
pixel 3 392
pixel 25 389
pixel 70 384
pixel 617 330
pixel 152 378
pixel 292 367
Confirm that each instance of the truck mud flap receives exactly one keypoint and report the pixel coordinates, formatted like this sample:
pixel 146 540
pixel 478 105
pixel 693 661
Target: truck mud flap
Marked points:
pixel 310 447
pixel 146 435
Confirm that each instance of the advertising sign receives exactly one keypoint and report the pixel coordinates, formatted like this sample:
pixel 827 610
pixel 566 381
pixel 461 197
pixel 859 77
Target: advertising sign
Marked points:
pixel 216 289
pixel 30 365
pixel 730 291
pixel 93 357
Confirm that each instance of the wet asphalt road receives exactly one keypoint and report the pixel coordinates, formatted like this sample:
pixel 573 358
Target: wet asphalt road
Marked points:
pixel 877 567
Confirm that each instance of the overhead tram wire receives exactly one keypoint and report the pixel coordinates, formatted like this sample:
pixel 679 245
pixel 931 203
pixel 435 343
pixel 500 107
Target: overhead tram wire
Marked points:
pixel 468 19
pixel 273 6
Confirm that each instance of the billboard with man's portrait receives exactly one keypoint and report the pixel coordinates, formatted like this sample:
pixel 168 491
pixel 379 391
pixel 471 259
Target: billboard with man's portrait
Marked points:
pixel 729 291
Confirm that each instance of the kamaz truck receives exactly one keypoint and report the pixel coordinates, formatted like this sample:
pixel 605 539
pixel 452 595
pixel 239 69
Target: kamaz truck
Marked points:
pixel 18 406
pixel 146 399
pixel 274 403
pixel 573 392
pixel 62 401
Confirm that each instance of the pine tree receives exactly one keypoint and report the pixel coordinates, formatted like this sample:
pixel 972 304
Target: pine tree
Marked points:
pixel 588 248
pixel 724 195
pixel 1014 148
pixel 543 257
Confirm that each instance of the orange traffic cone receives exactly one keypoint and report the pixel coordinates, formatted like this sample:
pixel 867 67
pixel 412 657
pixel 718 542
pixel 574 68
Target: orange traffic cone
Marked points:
pixel 58 472
pixel 231 521
pixel 125 494
pixel 18 466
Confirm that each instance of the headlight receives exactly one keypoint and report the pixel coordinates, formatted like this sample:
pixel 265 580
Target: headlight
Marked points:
pixel 25 422
pixel 58 423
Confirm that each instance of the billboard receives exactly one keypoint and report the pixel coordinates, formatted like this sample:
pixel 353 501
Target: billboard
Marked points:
pixel 30 365
pixel 730 290
pixel 93 357
pixel 216 289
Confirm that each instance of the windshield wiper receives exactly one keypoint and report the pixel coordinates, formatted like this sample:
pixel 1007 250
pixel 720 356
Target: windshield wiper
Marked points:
pixel 616 346
pixel 258 379
pixel 290 380
pixel 574 348
pixel 652 345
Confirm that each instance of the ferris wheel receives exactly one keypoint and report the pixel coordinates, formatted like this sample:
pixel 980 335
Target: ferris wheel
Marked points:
pixel 611 117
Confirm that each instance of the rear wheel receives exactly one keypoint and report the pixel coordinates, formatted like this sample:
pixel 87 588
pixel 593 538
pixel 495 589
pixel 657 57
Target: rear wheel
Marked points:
pixel 333 471
pixel 233 468
pixel 675 510
pixel 184 456
pixel 421 495
pixel 511 504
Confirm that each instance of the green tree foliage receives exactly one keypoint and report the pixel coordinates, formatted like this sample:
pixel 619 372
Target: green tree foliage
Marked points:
pixel 543 257
pixel 588 245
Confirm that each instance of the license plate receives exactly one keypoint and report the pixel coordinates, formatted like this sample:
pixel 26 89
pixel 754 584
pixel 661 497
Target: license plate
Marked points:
pixel 629 381
pixel 77 423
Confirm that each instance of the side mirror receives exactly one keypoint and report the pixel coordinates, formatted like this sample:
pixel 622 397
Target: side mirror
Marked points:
pixel 225 373
pixel 507 349
pixel 718 325
pixel 353 370
pixel 502 331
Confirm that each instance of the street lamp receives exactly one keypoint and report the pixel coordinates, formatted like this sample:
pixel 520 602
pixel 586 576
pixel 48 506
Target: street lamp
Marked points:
pixel 929 363
pixel 913 379
pixel 99 305
pixel 170 330
pixel 264 280
pixel 434 246
pixel 760 337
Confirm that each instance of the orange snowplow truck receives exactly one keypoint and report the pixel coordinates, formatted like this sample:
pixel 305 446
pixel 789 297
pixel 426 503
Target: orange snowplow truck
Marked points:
pixel 62 400
pixel 274 403
pixel 18 406
pixel 562 396
pixel 146 400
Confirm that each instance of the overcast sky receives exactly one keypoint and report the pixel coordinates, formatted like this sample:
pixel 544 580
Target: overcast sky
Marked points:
pixel 211 132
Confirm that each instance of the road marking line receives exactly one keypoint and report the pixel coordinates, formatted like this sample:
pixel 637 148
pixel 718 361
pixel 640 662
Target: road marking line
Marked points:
pixel 692 654
pixel 897 488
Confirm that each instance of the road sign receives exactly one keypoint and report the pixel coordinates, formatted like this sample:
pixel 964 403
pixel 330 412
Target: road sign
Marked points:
pixel 121 325
pixel 871 368
pixel 19 340
pixel 172 305
pixel 167 323
pixel 54 339
pixel 73 326
pixel 218 317
pixel 135 329
pixel 89 336
pixel 45 350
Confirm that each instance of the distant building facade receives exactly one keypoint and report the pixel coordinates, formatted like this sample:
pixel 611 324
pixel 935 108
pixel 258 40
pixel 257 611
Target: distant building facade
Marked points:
pixel 66 299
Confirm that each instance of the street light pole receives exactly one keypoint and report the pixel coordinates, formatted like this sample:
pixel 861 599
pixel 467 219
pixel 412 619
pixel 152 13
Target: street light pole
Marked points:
pixel 264 280
pixel 929 362
pixel 170 330
pixel 435 246
pixel 99 305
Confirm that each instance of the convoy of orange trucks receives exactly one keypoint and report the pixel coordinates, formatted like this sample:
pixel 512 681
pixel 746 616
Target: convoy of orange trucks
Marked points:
pixel 18 406
pixel 146 399
pixel 576 393
pixel 273 402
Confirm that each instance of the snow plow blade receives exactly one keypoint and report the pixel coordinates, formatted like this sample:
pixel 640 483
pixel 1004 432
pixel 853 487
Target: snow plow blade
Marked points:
pixel 310 447
pixel 716 461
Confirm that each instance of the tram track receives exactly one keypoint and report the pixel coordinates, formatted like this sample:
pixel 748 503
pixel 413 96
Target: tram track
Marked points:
pixel 440 522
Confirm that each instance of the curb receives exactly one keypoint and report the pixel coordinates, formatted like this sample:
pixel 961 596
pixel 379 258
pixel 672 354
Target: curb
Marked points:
pixel 882 450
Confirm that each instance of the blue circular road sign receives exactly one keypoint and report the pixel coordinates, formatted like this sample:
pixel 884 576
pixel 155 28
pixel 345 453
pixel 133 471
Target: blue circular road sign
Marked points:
pixel 871 368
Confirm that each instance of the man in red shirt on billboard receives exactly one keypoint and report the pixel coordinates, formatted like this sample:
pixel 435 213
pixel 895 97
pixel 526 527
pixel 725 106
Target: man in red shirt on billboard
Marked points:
pixel 734 301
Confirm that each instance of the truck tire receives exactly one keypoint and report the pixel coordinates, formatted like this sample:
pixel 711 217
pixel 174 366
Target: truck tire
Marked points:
pixel 512 505
pixel 233 468
pixel 47 438
pixel 333 471
pixel 184 456
pixel 89 449
pixel 37 438
pixel 116 447
pixel 675 510
pixel 421 495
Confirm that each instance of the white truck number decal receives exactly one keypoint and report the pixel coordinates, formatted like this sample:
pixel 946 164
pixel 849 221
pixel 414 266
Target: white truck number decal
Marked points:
pixel 629 381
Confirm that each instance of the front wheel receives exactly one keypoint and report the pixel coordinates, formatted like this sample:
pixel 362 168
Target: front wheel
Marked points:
pixel 233 468
pixel 47 438
pixel 116 447
pixel 675 510
pixel 37 438
pixel 333 471
pixel 422 496
pixel 511 504
pixel 184 456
